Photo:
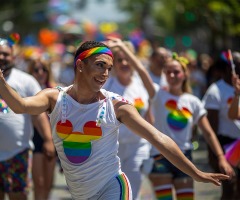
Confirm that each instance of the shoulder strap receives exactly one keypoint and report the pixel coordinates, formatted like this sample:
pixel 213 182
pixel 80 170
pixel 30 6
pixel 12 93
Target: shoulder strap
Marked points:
pixel 63 104
pixel 101 113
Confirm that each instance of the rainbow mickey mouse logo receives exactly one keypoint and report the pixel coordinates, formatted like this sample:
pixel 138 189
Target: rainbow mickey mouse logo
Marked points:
pixel 77 145
pixel 177 119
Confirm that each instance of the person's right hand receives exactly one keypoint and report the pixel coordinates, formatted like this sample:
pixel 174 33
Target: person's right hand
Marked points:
pixel 214 178
pixel 49 149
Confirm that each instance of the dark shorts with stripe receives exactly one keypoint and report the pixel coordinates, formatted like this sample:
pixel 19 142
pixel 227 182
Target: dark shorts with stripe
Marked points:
pixel 163 166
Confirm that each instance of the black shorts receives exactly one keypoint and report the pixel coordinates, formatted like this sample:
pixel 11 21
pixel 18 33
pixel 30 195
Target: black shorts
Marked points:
pixel 38 142
pixel 163 166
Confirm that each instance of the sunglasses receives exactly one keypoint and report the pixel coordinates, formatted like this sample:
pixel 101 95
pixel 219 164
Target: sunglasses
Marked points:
pixel 36 70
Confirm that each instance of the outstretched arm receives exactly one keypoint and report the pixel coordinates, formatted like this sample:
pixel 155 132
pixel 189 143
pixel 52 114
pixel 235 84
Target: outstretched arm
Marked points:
pixel 213 142
pixel 135 63
pixel 128 115
pixel 234 110
pixel 31 105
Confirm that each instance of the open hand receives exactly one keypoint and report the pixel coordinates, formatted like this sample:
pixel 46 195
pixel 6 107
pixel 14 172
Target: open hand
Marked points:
pixel 214 178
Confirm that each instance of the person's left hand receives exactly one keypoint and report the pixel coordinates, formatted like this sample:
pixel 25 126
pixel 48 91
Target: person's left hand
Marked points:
pixel 49 149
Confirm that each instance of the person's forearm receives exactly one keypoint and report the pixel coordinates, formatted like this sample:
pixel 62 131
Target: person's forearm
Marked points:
pixel 234 110
pixel 168 148
pixel 212 116
pixel 210 137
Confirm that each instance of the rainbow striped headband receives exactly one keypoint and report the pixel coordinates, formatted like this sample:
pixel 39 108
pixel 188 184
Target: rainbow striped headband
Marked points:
pixel 95 50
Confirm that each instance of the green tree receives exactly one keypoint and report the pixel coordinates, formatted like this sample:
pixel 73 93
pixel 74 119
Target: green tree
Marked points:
pixel 219 18
pixel 27 15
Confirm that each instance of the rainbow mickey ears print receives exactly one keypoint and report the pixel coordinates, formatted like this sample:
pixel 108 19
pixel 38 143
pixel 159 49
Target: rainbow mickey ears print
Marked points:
pixel 77 145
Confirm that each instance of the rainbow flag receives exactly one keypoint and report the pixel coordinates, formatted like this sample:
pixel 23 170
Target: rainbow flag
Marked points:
pixel 226 56
pixel 232 153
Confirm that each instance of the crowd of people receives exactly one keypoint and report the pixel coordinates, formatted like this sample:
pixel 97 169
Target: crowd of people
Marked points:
pixel 109 118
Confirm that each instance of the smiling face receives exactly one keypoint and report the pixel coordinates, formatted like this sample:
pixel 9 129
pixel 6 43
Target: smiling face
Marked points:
pixel 175 75
pixel 94 71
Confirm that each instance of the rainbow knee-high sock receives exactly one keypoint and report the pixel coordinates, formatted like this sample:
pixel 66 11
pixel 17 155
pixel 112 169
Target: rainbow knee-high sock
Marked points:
pixel 185 194
pixel 164 192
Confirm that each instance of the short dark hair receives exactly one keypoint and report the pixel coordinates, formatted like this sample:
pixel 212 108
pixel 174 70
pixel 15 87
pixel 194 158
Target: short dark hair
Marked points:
pixel 88 45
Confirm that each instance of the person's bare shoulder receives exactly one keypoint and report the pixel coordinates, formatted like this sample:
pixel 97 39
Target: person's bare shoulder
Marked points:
pixel 52 95
pixel 122 109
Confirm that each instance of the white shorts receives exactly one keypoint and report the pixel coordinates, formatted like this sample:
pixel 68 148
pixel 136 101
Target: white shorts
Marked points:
pixel 117 188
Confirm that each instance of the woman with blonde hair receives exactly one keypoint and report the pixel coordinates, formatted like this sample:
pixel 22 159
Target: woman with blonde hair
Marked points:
pixel 176 112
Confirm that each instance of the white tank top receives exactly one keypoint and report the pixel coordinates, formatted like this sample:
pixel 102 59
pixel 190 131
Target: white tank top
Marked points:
pixel 86 140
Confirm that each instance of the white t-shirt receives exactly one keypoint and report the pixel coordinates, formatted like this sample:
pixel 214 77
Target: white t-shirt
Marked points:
pixel 16 129
pixel 218 97
pixel 136 93
pixel 88 153
pixel 176 115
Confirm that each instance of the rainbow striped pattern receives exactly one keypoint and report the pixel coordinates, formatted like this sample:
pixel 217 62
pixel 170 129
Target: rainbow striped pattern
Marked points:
pixel 226 56
pixel 185 194
pixel 138 104
pixel 163 192
pixel 125 193
pixel 77 145
pixel 13 38
pixel 232 153
pixel 95 50
pixel 3 106
pixel 177 119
